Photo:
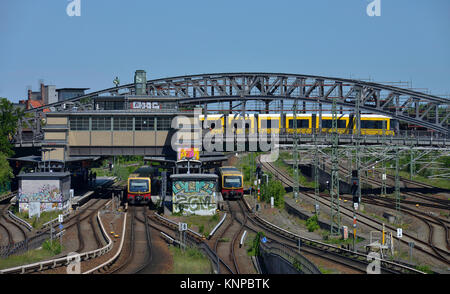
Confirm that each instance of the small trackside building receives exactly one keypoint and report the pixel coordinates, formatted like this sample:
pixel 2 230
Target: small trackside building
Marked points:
pixel 194 194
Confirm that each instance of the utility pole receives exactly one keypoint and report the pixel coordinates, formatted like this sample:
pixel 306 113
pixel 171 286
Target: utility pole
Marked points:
pixel 358 160
pixel 397 185
pixel 383 163
pixel 334 189
pixel 316 174
pixel 296 189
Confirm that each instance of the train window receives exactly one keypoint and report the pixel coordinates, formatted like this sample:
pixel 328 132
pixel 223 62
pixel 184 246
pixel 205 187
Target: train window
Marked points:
pixel 79 123
pixel 301 124
pixel 138 185
pixel 144 123
pixel 328 124
pixel 270 123
pixel 123 123
pixel 371 124
pixel 232 182
pixel 101 123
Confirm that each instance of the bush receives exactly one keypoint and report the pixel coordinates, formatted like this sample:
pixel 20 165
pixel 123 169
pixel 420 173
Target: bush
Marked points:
pixel 274 189
pixel 52 246
pixel 312 224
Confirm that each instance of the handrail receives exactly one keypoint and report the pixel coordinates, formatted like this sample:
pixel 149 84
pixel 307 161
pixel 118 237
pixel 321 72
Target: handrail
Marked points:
pixel 118 251
pixel 217 226
pixel 16 218
pixel 63 260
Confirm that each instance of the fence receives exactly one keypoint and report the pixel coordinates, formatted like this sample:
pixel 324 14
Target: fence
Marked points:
pixel 303 264
pixel 23 246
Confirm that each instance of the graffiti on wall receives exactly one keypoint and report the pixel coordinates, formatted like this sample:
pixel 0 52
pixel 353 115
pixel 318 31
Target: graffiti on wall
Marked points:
pixel 194 197
pixel 46 193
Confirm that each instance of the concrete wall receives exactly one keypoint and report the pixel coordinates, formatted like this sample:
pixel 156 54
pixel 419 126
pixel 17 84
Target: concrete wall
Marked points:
pixel 56 154
pixel 274 264
pixel 55 136
pixel 55 120
pixel 53 194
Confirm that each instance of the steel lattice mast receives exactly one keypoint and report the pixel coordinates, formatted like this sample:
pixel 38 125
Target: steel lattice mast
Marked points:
pixel 334 188
pixel 296 189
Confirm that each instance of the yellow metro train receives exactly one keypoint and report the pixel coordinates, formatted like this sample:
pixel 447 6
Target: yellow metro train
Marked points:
pixel 371 124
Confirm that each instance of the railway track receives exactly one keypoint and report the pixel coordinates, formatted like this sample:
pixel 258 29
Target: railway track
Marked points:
pixel 221 245
pixel 13 230
pixel 422 246
pixel 408 207
pixel 347 260
pixel 194 239
pixel 139 249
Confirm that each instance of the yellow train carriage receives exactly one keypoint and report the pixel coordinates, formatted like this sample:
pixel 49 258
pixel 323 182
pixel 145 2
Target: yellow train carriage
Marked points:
pixel 215 122
pixel 269 122
pixel 327 123
pixel 235 121
pixel 372 124
pixel 304 123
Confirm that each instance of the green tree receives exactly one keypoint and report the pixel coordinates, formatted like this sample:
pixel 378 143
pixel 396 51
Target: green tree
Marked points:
pixel 9 118
pixel 5 170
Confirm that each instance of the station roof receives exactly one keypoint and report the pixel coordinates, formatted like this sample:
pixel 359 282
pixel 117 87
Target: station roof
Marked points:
pixel 37 158
pixel 71 89
pixel 194 176
pixel 44 174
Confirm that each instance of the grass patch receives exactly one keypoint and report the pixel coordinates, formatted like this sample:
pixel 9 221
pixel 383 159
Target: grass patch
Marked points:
pixel 36 222
pixel 424 268
pixel 47 251
pixel 303 180
pixel 191 261
pixel 326 271
pixel 202 223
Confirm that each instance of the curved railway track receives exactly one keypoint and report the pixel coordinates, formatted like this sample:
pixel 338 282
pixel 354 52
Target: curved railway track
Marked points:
pixel 168 227
pixel 11 228
pixel 139 255
pixel 422 246
pixel 289 240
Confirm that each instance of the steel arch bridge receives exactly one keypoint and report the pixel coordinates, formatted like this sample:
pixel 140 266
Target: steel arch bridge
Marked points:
pixel 417 108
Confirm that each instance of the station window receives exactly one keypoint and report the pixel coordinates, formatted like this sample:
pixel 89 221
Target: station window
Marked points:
pixel 123 123
pixel 328 123
pixel 163 123
pixel 301 124
pixel 144 123
pixel 101 123
pixel 79 123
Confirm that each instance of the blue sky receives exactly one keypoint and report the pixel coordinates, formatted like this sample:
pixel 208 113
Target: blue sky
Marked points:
pixel 410 41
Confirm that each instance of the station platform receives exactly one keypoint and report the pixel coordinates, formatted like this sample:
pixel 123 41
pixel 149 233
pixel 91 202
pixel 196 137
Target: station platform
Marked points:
pixel 83 195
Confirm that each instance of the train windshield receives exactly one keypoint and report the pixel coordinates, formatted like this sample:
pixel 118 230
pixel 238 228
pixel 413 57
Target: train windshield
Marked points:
pixel 232 182
pixel 138 185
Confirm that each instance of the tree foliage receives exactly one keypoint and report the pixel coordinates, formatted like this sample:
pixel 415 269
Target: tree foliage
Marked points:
pixel 9 118
pixel 273 189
